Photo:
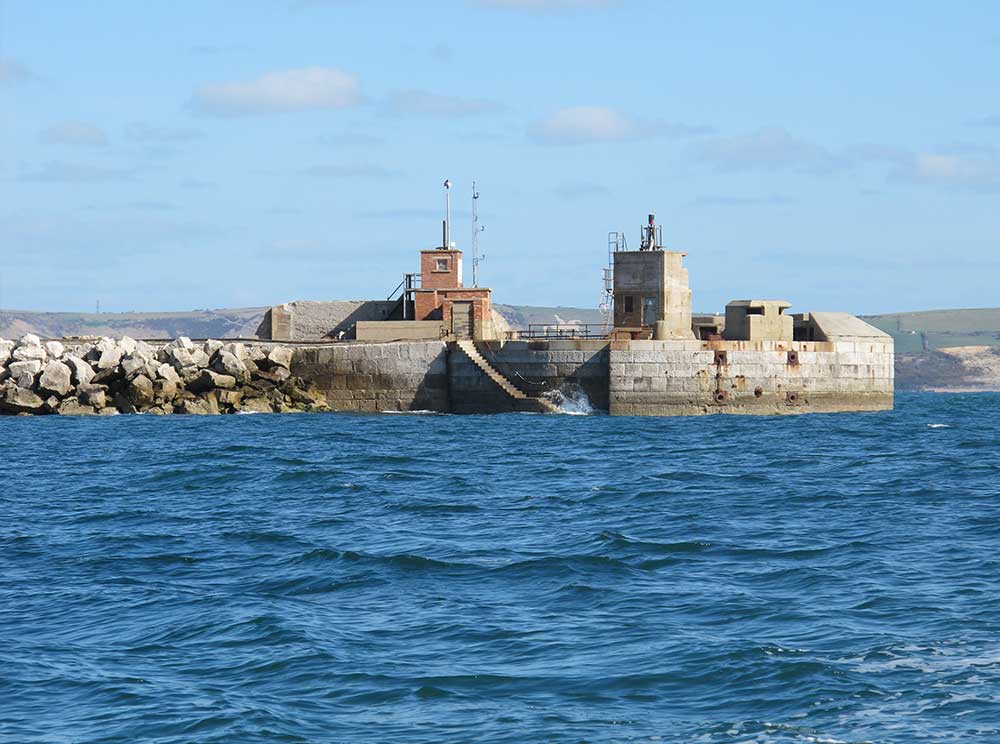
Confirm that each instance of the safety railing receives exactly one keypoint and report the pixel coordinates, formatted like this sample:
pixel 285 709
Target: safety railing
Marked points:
pixel 558 331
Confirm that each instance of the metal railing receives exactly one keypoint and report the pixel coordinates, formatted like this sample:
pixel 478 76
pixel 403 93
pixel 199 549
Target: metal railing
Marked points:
pixel 557 331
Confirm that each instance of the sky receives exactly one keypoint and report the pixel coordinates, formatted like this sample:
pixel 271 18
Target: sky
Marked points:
pixel 208 154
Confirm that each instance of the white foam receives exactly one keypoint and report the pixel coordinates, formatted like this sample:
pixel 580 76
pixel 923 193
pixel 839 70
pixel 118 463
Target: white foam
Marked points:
pixel 571 400
pixel 938 426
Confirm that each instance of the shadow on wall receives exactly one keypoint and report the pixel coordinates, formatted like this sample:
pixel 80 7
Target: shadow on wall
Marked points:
pixel 322 321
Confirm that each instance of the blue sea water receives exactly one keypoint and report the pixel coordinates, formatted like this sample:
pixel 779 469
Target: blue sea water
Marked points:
pixel 514 578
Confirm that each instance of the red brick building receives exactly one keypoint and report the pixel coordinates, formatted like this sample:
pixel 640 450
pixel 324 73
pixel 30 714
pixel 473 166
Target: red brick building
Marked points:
pixel 442 297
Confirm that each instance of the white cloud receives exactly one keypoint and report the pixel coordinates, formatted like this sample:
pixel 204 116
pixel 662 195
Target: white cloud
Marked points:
pixel 12 71
pixel 583 124
pixel 305 89
pixel 975 171
pixel 75 133
pixel 425 103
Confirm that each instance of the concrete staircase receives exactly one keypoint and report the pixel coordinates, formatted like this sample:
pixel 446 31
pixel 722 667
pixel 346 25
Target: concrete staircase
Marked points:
pixel 522 402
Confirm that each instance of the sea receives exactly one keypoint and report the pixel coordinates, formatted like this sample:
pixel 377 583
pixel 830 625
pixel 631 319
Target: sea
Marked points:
pixel 520 578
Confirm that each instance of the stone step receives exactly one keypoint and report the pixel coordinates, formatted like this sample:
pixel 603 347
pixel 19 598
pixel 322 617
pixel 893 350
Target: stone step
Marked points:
pixel 472 352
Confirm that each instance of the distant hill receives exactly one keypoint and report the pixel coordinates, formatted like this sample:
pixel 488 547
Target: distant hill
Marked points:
pixel 930 330
pixel 228 323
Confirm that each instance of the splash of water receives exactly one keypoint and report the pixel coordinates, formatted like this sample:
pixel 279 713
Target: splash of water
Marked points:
pixel 571 399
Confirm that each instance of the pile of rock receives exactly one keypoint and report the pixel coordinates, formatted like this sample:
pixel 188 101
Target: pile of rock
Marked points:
pixel 107 377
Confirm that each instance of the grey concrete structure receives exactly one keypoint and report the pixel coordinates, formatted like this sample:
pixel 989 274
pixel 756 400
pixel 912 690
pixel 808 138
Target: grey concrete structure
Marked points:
pixel 651 290
pixel 321 321
pixel 758 320
pixel 404 376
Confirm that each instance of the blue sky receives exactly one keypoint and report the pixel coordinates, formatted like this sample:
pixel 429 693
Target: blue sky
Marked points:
pixel 187 155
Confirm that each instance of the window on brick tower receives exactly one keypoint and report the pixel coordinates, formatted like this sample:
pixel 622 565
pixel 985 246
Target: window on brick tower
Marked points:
pixel 440 264
pixel 629 304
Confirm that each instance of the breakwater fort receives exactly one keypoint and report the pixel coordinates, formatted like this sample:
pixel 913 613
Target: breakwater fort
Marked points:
pixel 438 345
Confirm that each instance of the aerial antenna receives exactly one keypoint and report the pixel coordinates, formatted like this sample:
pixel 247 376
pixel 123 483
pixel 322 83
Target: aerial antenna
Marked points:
pixel 447 213
pixel 476 229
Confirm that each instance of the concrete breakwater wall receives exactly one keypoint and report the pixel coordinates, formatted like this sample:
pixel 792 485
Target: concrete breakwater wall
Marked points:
pixel 535 367
pixel 404 376
pixel 676 377
pixel 661 378
pixel 107 377
pixel 643 378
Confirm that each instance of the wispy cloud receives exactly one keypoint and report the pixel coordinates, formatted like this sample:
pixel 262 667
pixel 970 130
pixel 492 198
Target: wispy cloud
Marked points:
pixel 74 133
pixel 305 89
pixel 957 167
pixel 58 171
pixel 964 170
pixel 769 149
pixel 585 124
pixel 152 134
pixel 12 71
pixel 357 170
pixel 425 103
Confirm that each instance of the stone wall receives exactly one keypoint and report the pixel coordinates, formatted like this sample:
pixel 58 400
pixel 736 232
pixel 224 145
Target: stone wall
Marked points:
pixel 535 368
pixel 403 376
pixel 655 378
pixel 320 321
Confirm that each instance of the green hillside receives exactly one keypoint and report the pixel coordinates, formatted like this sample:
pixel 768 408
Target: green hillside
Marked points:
pixel 934 329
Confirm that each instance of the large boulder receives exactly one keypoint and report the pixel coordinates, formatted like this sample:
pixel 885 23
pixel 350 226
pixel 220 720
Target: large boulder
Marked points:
pixel 6 347
pixel 203 406
pixel 275 376
pixel 132 366
pixel 81 371
pixel 256 405
pixel 182 358
pixel 29 353
pixel 181 342
pixel 24 373
pixel 73 407
pixel 209 380
pixel 54 349
pixel 95 396
pixel 165 391
pixel 166 372
pixel 56 379
pixel 102 345
pixel 230 398
pixel 228 363
pixel 238 350
pixel 29 339
pixel 140 391
pixel 127 344
pixel 211 346
pixel 16 399
pixel 279 356
pixel 109 359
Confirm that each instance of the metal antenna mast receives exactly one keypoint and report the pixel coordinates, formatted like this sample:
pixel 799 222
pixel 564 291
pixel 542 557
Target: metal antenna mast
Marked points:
pixel 476 229
pixel 447 214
